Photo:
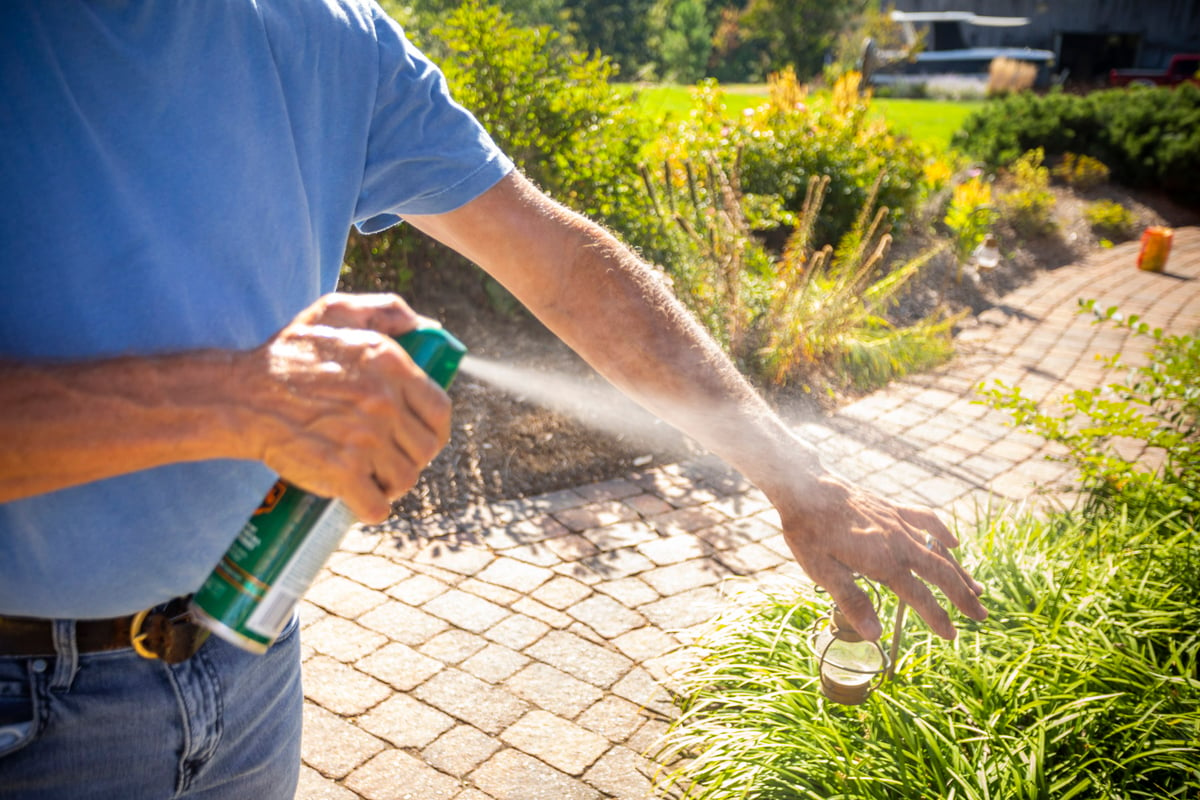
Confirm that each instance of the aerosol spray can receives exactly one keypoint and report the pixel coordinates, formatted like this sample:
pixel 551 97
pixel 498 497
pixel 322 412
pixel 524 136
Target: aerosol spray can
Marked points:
pixel 250 595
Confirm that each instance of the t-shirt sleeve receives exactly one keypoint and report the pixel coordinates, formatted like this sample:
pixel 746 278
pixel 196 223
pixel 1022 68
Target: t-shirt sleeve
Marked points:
pixel 426 154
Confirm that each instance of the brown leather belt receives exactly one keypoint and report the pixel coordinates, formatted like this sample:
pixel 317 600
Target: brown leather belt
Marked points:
pixel 167 632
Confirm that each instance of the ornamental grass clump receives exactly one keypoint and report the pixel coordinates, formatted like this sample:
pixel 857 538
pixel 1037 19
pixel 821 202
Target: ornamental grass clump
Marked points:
pixel 806 314
pixel 1083 683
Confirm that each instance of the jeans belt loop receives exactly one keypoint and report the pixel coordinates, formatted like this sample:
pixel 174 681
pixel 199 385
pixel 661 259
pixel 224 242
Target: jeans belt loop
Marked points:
pixel 66 648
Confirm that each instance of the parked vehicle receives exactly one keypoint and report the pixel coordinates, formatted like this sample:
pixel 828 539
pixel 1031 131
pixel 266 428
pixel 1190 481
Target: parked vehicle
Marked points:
pixel 1182 67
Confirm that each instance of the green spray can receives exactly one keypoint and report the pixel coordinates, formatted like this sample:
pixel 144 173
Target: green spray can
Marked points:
pixel 251 593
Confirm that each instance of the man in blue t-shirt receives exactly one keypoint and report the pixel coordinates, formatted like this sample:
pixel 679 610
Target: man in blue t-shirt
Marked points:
pixel 177 182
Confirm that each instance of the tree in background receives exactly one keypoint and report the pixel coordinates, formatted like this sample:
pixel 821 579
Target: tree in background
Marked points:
pixel 800 33
pixel 619 29
pixel 686 41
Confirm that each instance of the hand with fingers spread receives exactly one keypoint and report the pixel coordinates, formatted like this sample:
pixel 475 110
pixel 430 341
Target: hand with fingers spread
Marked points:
pixel 339 408
pixel 836 531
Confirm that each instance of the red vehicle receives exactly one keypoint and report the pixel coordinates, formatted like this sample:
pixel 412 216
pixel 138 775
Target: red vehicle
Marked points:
pixel 1182 67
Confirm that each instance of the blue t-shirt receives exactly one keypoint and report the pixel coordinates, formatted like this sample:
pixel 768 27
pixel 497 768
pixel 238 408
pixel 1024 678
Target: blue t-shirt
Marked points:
pixel 183 175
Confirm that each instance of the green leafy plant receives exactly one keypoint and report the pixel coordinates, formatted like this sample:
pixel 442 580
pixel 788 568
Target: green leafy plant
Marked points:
pixel 1106 431
pixel 1029 205
pixel 1081 685
pixel 1148 138
pixel 1110 219
pixel 778 146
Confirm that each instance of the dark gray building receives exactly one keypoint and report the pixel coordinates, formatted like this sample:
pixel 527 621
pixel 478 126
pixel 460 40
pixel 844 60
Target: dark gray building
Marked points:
pixel 1088 37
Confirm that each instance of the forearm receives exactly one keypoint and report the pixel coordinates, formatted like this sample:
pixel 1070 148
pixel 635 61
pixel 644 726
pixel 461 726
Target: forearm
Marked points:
pixel 72 423
pixel 618 314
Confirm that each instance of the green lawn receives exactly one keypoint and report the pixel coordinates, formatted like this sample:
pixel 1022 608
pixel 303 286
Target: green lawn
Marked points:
pixel 929 121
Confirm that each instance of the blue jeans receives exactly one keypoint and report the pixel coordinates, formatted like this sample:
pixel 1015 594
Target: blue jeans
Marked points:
pixel 223 724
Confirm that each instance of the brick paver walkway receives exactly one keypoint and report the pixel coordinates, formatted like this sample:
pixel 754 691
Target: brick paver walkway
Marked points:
pixel 524 650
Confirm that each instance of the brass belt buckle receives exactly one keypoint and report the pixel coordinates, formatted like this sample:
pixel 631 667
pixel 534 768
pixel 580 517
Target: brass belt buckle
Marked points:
pixel 166 633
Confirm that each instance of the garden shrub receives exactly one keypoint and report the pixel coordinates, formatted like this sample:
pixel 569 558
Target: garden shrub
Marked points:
pixel 1081 172
pixel 1111 220
pixel 784 142
pixel 969 216
pixel 551 109
pixel 1029 206
pixel 806 314
pixel 1148 137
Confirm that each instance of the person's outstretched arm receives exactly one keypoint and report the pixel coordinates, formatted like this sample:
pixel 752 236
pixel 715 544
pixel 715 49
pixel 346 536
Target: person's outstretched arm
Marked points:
pixel 616 312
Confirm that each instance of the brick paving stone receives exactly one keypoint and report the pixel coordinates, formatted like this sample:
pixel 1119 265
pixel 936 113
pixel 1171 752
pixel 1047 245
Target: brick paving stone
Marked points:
pixel 473 794
pixel 315 786
pixel 494 663
pixel 466 610
pixel 403 623
pixel 490 591
pixel 517 631
pixel 606 616
pixel 553 690
pixel 749 559
pixel 613 717
pixel 674 549
pixel 683 610
pixel 583 631
pixel 940 490
pixel 644 643
pixel 395 774
pixel 640 688
pixel 617 774
pixel 571 547
pixel 684 576
pixel 418 589
pixel 617 489
pixel 740 505
pixel 340 688
pixel 618 563
pixel 537 529
pixel 333 746
pixel 583 659
pixel 562 592
pixel 648 505
pixel 561 744
pixel 462 560
pixel 540 554
pixel 309 613
pixel 453 646
pixel 648 739
pixel 513 775
pixel 343 596
pixel 580 572
pixel 462 695
pixel 460 750
pixel 529 607
pixel 621 534
pixel 595 515
pixel 405 722
pixel 343 639
pixel 686 520
pixel 514 574
pixel 400 666
pixel 632 592
pixel 374 572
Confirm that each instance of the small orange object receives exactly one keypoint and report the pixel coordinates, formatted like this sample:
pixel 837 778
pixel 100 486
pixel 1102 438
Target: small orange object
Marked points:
pixel 1156 246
